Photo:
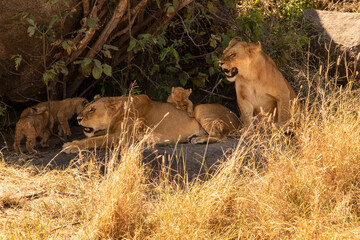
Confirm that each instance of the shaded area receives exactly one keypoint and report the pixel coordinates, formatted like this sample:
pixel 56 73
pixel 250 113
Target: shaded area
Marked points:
pixel 185 159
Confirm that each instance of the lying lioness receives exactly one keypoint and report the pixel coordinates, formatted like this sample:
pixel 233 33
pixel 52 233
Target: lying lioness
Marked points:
pixel 259 84
pixel 168 124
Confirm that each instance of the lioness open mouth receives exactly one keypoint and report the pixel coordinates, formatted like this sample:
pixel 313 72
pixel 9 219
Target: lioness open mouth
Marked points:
pixel 88 130
pixel 230 73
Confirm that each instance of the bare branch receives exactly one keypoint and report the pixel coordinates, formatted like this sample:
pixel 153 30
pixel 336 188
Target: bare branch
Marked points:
pixel 86 7
pixel 118 14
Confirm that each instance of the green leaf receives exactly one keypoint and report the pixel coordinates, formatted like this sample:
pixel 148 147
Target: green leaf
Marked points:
pixel 200 80
pixel 106 53
pixel 176 3
pixel 183 78
pixel 170 9
pixel 212 7
pixel 31 21
pixel 91 23
pixel 154 69
pixel 97 69
pixel 132 44
pixel 17 58
pixel 212 71
pixel 107 69
pixel 31 31
pixel 53 21
pixel 86 65
pixel 163 53
pixel 112 47
pixel 174 53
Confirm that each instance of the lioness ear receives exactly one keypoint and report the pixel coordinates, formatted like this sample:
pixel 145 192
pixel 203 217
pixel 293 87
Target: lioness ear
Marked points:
pixel 113 107
pixel 97 96
pixel 234 41
pixel 172 89
pixel 189 91
pixel 258 45
pixel 85 102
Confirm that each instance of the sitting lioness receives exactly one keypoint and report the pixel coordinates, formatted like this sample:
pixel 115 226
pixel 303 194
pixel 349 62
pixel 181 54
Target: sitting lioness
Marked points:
pixel 34 125
pixel 61 111
pixel 179 97
pixel 167 124
pixel 258 82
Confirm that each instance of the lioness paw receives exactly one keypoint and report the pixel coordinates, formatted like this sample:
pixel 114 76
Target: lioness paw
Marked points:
pixel 70 147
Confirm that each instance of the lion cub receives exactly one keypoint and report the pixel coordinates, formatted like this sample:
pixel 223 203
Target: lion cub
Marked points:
pixel 179 97
pixel 61 111
pixel 36 124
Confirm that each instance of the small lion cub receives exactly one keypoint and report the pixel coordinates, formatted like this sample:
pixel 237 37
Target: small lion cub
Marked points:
pixel 179 97
pixel 34 125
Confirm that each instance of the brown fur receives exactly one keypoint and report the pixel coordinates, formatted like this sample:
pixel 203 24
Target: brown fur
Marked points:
pixel 217 120
pixel 179 97
pixel 259 84
pixel 61 112
pixel 32 126
pixel 118 115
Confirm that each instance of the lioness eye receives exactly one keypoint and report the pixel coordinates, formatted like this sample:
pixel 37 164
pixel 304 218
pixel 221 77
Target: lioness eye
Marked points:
pixel 233 55
pixel 91 110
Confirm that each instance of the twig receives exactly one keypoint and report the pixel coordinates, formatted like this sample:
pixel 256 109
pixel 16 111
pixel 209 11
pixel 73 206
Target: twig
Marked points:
pixel 34 195
pixel 216 94
pixel 66 225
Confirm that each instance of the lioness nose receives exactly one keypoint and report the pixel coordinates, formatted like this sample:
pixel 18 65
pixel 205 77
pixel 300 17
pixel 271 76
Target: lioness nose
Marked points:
pixel 226 70
pixel 221 63
pixel 79 119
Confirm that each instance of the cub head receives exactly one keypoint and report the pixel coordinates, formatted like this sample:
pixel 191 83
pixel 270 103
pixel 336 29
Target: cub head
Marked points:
pixel 179 97
pixel 35 110
pixel 80 104
pixel 237 57
pixel 96 117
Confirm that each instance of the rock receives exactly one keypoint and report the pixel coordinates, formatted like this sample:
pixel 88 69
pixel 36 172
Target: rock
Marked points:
pixel 341 28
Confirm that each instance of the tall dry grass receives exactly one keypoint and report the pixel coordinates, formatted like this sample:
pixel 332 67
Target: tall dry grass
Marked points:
pixel 307 187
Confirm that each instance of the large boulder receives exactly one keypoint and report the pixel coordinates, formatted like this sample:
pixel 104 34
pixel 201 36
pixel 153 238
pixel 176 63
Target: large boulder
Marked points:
pixel 24 84
pixel 340 27
pixel 338 33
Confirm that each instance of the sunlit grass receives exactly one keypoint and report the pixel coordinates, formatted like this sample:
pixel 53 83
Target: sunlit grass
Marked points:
pixel 273 186
pixel 307 188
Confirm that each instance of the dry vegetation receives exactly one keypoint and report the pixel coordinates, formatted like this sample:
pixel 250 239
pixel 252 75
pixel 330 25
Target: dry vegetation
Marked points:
pixel 307 189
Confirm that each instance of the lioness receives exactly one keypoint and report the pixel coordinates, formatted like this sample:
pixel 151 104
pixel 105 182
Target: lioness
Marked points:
pixel 61 111
pixel 36 124
pixel 258 82
pixel 108 115
pixel 217 120
pixel 179 97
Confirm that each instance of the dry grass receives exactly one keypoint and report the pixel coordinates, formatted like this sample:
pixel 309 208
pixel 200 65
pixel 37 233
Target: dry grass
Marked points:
pixel 309 188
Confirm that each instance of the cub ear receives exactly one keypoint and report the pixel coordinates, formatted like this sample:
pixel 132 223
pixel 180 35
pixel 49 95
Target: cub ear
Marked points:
pixel 189 91
pixel 172 89
pixel 85 102
pixel 96 97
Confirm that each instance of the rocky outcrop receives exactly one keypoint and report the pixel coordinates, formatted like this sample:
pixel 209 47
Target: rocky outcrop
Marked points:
pixel 341 28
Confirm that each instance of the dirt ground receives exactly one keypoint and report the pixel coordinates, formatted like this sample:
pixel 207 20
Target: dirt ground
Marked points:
pixel 192 160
